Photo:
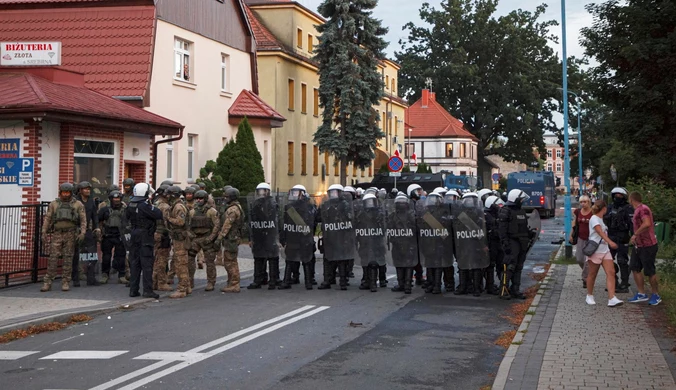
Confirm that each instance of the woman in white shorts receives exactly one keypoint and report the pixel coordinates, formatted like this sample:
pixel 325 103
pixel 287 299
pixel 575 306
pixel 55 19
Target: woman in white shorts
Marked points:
pixel 598 232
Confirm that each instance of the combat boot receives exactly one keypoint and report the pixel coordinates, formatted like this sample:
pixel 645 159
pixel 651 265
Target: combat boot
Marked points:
pixel 209 287
pixel 288 271
pixel 178 295
pixel 164 287
pixel 436 286
pixel 429 282
pixel 257 274
pixel 231 289
pixel 104 278
pixel 477 279
pixel 328 274
pixel 313 263
pixel 151 295
pixel 295 272
pixel 516 286
pixel 350 268
pixel 334 271
pixel 64 285
pixel 373 277
pixel 274 274
pixel 490 281
pixel 382 275
pixel 400 280
pixel 408 280
pixel 307 271
pixel 449 279
pixel 463 281
pixel 46 287
pixel 342 273
pixel 123 280
pixel 419 280
pixel 365 279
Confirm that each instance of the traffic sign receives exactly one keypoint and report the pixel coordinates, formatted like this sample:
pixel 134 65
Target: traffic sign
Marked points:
pixel 395 164
pixel 27 171
pixel 495 177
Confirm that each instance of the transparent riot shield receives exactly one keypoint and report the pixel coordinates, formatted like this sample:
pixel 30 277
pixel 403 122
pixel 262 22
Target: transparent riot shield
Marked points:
pixel 435 243
pixel 263 226
pixel 338 228
pixel 402 238
pixel 371 232
pixel 298 229
pixel 469 234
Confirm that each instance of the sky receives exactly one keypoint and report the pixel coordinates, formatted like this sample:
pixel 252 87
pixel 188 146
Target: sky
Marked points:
pixel 396 13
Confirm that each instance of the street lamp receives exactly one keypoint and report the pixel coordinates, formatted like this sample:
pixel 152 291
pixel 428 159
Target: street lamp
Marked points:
pixel 566 159
pixel 579 139
pixel 409 147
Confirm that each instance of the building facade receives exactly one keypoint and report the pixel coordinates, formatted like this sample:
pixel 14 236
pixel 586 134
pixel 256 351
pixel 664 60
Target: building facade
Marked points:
pixel 438 139
pixel 554 161
pixel 286 37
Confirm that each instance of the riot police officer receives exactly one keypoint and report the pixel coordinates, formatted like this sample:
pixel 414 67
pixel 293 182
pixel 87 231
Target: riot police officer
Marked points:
pixel 297 236
pixel 618 218
pixel 402 238
pixel 128 188
pixel 350 265
pixel 515 238
pixel 264 236
pixel 142 217
pixel 88 245
pixel 338 235
pixel 491 210
pixel 414 192
pixel 67 223
pixel 114 222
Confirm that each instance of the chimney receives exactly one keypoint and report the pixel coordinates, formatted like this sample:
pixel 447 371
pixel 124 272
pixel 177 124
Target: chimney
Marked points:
pixel 425 98
pixel 433 96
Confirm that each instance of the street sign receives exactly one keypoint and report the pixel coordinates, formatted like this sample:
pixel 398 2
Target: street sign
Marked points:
pixel 495 177
pixel 395 174
pixel 27 172
pixel 395 164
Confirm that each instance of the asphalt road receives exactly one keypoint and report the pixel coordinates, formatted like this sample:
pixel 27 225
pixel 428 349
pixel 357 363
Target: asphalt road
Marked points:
pixel 292 339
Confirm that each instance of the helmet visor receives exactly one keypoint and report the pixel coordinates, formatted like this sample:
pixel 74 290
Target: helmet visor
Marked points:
pixel 334 194
pixel 295 195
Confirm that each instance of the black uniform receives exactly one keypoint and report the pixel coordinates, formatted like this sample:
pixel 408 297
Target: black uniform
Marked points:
pixel 114 223
pixel 142 217
pixel 515 239
pixel 494 249
pixel 619 218
pixel 297 238
pixel 264 230
pixel 92 224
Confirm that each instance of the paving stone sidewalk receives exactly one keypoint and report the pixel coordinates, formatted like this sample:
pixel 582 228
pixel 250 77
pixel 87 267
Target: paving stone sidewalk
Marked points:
pixel 571 345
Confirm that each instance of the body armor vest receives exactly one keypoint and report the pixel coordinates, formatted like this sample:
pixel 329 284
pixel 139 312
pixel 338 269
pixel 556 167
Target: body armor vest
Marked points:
pixel 235 230
pixel 518 223
pixel 65 217
pixel 161 225
pixel 200 223
pixel 175 228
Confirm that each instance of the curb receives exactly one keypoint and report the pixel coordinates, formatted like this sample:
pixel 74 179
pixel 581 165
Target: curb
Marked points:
pixel 502 375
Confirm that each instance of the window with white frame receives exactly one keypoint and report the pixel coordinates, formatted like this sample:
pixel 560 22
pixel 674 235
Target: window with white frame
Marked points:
pixel 558 153
pixel 192 140
pixel 549 167
pixel 95 163
pixel 225 77
pixel 549 153
pixel 558 167
pixel 170 160
pixel 182 51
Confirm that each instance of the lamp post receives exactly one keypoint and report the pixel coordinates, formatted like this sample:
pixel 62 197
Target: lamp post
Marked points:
pixel 409 147
pixel 566 159
pixel 579 139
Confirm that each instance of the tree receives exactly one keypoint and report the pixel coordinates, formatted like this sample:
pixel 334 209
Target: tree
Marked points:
pixel 213 181
pixel 350 48
pixel 498 76
pixel 633 43
pixel 423 168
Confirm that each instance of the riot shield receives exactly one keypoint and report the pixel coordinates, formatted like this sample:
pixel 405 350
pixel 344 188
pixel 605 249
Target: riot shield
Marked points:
pixel 401 232
pixel 534 227
pixel 298 229
pixel 469 234
pixel 338 228
pixel 371 232
pixel 263 225
pixel 435 243
pixel 88 250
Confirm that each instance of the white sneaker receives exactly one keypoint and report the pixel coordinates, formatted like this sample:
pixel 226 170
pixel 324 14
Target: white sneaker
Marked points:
pixel 590 300
pixel 614 302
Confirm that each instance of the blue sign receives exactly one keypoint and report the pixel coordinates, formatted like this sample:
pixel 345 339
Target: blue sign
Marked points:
pixel 395 164
pixel 14 169
pixel 496 177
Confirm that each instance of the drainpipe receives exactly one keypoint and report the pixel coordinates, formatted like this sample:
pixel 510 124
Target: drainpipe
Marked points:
pixel 155 144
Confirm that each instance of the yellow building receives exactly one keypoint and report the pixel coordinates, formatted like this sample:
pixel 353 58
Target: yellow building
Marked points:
pixel 288 80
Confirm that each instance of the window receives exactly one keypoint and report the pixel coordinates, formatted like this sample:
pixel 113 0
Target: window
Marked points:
pixel 336 164
pixel 315 110
pixel 549 153
pixel 558 153
pixel 303 98
pixel 94 159
pixel 449 150
pixel 558 167
pixel 170 160
pixel 549 167
pixel 393 86
pixel 310 44
pixel 354 170
pixel 370 170
pixel 299 38
pixel 463 150
pixel 410 149
pixel 387 82
pixel 315 160
pixel 463 173
pixel 362 172
pixel 303 159
pixel 292 94
pixel 191 156
pixel 326 162
pixel 396 126
pixel 182 59
pixel 290 157
pixel 225 60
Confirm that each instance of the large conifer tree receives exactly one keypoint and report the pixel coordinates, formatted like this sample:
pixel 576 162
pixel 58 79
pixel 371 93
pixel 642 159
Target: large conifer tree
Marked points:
pixel 350 47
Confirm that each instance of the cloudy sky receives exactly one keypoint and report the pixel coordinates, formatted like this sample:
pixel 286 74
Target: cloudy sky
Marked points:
pixel 396 13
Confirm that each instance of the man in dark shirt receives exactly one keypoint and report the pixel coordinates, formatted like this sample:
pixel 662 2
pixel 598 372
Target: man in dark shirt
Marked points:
pixel 88 246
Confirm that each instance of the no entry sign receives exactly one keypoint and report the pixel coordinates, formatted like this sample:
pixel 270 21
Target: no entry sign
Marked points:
pixel 395 164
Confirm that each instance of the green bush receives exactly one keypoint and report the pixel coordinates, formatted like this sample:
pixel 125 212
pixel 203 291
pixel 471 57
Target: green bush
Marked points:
pixel 660 199
pixel 423 168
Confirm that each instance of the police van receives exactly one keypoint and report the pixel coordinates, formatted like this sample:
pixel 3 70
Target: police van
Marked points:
pixel 539 186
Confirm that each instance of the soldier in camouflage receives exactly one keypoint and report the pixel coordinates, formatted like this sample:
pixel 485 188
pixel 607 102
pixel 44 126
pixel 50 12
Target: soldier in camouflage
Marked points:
pixel 114 223
pixel 66 221
pixel 177 222
pixel 232 221
pixel 204 224
pixel 128 189
pixel 105 203
pixel 162 242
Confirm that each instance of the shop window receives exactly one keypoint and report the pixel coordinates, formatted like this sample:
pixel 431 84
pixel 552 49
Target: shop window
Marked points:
pixel 95 163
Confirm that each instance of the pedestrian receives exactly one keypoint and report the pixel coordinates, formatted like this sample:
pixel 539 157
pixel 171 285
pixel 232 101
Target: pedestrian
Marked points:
pixel 581 219
pixel 230 236
pixel 645 251
pixel 142 216
pixel 601 257
pixel 67 223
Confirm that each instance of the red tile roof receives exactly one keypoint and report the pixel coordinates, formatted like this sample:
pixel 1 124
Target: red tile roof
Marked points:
pixel 250 105
pixel 434 121
pixel 265 40
pixel 112 46
pixel 22 92
pixel 47 1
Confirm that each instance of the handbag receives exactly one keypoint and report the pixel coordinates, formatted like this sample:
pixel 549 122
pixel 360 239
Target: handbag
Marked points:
pixel 590 247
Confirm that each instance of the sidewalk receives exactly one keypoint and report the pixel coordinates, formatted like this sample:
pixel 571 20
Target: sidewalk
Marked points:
pixel 25 305
pixel 571 345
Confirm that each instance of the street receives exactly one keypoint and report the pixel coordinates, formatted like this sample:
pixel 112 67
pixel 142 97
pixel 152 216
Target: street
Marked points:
pixel 290 339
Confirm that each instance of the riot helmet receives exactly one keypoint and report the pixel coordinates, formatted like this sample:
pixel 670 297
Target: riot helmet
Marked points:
pixel 296 193
pixel 619 195
pixel 491 202
pixel 189 193
pixel 371 190
pixel 433 200
pixel 113 187
pixel 517 197
pixel 201 197
pixel 471 199
pixel 401 203
pixel 231 194
pixel 441 191
pixel 263 190
pixel 335 191
pixel 351 191
pixel 141 192
pixel 162 191
pixel 484 194
pixel 393 193
pixel 128 184
pixel 66 191
pixel 452 196
pixel 370 201
pixel 360 193
pixel 173 192
pixel 414 191
pixel 382 193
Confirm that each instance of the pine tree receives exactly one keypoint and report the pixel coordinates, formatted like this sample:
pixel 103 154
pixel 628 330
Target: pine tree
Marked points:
pixel 246 169
pixel 223 162
pixel 350 47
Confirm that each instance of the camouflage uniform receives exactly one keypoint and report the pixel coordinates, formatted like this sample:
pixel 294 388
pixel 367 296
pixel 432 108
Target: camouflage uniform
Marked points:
pixel 63 220
pixel 232 221
pixel 162 248
pixel 205 224
pixel 176 219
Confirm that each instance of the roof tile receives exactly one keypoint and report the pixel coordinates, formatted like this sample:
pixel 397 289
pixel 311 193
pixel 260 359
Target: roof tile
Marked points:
pixel 434 121
pixel 250 105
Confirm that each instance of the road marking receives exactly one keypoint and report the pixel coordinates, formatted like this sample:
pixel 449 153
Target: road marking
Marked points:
pixel 84 355
pixel 14 355
pixel 178 367
pixel 172 356
pixel 199 349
